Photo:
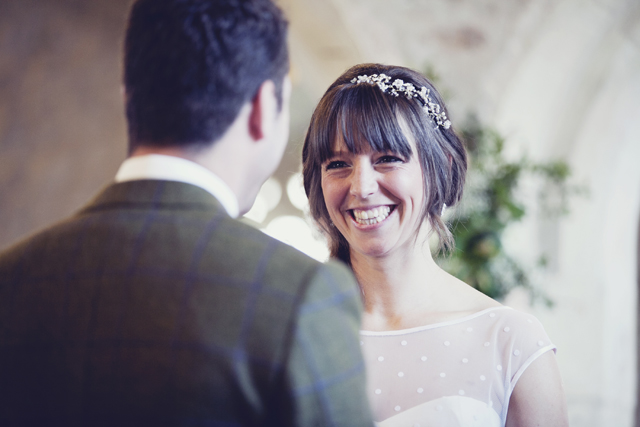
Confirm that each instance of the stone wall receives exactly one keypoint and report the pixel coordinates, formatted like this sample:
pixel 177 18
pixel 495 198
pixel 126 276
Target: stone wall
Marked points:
pixel 62 129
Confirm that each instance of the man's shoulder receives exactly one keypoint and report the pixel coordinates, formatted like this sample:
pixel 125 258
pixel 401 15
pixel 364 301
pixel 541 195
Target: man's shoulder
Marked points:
pixel 175 238
pixel 32 250
pixel 279 261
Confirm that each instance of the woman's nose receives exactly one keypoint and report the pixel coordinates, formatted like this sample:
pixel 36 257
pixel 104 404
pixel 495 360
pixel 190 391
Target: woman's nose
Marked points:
pixel 363 180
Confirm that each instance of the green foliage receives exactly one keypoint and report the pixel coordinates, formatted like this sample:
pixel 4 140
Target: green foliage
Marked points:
pixel 492 202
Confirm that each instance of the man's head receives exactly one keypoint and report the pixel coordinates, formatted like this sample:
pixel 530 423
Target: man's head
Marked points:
pixel 190 65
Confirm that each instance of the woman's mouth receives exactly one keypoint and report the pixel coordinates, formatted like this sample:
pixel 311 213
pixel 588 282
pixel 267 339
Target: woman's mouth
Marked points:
pixel 371 216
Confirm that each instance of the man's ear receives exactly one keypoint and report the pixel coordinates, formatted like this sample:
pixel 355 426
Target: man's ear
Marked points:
pixel 264 108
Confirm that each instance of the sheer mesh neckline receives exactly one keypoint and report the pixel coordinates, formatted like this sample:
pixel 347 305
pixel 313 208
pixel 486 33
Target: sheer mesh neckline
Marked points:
pixel 459 372
pixel 432 325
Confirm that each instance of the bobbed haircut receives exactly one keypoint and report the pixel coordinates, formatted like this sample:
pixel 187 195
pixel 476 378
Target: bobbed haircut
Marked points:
pixel 367 118
pixel 190 65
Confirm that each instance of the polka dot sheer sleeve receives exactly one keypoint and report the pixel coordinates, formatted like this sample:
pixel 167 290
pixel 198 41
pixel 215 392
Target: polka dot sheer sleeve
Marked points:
pixel 456 373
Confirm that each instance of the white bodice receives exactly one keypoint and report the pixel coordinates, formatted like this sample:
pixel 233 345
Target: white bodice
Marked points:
pixel 456 373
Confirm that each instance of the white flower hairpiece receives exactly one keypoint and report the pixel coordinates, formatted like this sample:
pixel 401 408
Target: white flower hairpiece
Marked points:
pixel 398 86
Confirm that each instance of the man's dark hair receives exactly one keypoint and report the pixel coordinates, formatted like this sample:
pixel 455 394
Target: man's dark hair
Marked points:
pixel 189 66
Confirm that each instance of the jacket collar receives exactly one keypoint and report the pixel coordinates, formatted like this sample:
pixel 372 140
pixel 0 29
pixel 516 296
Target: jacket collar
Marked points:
pixel 153 193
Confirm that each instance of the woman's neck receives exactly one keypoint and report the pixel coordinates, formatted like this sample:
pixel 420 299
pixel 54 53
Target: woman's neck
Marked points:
pixel 405 290
pixel 399 288
pixel 393 272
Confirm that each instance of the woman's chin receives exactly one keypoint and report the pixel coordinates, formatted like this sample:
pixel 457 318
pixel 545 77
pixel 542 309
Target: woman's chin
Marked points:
pixel 382 248
pixel 372 251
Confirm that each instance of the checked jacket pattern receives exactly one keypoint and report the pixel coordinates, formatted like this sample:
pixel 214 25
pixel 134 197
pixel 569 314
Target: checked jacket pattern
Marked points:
pixel 151 306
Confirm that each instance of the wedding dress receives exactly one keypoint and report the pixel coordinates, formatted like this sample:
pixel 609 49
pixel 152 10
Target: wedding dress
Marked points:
pixel 456 373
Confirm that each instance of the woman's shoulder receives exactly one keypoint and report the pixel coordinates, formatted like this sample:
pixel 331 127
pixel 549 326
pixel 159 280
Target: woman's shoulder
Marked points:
pixel 468 298
pixel 501 315
pixel 511 323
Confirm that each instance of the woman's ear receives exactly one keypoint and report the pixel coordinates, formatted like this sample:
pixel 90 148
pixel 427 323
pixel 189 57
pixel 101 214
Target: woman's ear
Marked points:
pixel 264 109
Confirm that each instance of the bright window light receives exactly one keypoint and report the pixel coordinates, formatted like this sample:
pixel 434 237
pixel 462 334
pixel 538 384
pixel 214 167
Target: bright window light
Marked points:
pixel 295 192
pixel 267 199
pixel 295 232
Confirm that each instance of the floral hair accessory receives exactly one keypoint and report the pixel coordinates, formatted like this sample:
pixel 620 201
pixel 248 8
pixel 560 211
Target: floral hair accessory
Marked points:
pixel 398 86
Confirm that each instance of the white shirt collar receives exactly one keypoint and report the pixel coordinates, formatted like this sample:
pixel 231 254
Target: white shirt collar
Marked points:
pixel 170 168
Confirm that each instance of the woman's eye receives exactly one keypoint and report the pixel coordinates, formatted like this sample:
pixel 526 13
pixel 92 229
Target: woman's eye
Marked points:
pixel 337 164
pixel 389 159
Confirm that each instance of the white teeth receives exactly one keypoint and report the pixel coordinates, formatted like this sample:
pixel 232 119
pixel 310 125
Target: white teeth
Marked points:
pixel 372 216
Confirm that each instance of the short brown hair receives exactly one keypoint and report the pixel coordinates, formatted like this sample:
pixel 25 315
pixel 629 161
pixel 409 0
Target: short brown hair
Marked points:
pixel 368 118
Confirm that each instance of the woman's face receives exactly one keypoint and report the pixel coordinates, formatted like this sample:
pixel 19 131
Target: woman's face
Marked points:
pixel 374 198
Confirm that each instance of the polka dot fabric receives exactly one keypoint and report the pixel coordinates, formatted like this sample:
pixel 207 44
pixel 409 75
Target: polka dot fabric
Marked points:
pixel 456 373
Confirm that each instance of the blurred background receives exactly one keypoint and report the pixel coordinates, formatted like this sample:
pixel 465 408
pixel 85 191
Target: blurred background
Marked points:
pixel 558 80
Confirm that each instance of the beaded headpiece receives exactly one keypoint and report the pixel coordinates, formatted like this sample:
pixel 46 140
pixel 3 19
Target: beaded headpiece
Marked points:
pixel 398 86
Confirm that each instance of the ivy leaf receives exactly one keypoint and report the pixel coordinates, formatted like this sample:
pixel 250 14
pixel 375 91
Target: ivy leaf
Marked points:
pixel 492 202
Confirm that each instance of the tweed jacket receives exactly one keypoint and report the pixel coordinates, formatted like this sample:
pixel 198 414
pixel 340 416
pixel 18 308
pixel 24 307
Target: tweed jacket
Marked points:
pixel 151 306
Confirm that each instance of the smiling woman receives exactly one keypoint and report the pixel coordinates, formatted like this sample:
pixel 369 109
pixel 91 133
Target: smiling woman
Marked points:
pixel 405 123
pixel 380 162
pixel 374 199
